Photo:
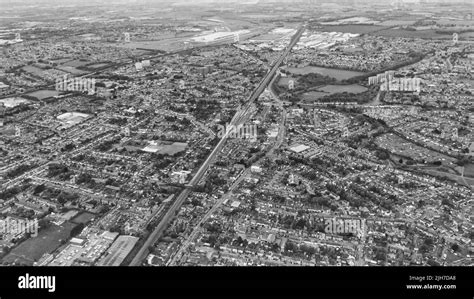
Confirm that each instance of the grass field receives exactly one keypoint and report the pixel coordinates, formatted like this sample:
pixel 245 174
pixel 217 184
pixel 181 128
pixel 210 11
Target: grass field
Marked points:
pixel 425 34
pixel 361 29
pixel 396 23
pixel 70 69
pixel 33 70
pixel 43 94
pixel 76 63
pixel 98 65
pixel 46 242
pixel 83 218
pixel 284 81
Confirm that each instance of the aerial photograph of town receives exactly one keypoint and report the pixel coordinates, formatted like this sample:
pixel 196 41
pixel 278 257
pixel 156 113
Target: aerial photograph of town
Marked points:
pixel 156 133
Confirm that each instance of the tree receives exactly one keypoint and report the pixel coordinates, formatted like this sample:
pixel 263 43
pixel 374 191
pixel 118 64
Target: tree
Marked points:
pixel 38 189
pixel 380 254
pixel 290 246
pixel 44 223
pixel 382 154
pixel 77 230
pixel 455 247
pixel 5 250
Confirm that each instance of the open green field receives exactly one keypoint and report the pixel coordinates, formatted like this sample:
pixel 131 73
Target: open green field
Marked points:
pixel 83 218
pixel 333 73
pixel 396 23
pixel 46 242
pixel 97 65
pixel 360 29
pixel 76 63
pixel 332 89
pixel 284 81
pixel 43 94
pixel 70 69
pixel 424 34
pixel 33 70
pixel 458 179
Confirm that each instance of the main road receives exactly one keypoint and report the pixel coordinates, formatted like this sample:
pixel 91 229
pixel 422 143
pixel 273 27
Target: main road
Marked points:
pixel 197 228
pixel 237 119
